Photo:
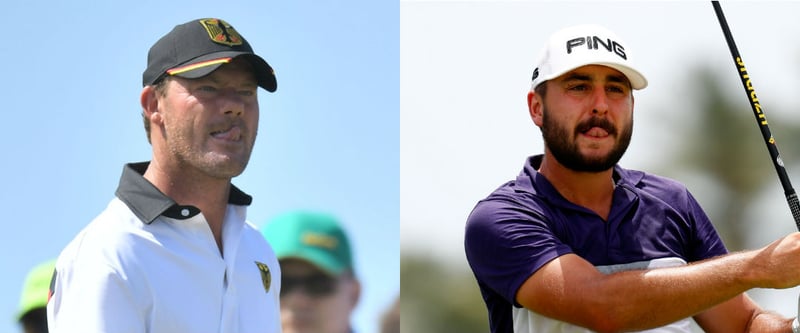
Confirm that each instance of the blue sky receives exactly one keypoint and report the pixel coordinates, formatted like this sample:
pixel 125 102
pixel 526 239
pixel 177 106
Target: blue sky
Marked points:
pixel 329 137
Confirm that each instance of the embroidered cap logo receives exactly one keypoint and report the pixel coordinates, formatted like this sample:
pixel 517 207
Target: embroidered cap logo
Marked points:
pixel 320 240
pixel 597 43
pixel 221 32
pixel 266 276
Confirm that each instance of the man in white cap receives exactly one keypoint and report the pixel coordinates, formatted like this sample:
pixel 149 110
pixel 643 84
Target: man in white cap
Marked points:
pixel 576 243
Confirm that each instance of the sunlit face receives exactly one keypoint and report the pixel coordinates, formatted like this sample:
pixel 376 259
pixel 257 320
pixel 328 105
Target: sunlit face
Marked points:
pixel 587 118
pixel 313 301
pixel 210 124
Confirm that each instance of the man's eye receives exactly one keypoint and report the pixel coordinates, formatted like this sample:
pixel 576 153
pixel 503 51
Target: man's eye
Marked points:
pixel 207 88
pixel 616 89
pixel 579 87
pixel 247 93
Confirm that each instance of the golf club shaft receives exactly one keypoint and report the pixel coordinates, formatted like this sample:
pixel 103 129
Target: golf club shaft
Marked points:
pixel 761 119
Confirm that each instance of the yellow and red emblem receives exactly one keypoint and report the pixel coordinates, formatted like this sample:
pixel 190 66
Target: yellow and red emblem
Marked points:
pixel 266 276
pixel 221 32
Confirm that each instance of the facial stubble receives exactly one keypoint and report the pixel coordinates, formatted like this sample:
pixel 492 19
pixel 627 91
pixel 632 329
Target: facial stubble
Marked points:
pixel 562 143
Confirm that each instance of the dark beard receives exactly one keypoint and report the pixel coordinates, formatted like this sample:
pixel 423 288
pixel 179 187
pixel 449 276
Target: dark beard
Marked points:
pixel 561 144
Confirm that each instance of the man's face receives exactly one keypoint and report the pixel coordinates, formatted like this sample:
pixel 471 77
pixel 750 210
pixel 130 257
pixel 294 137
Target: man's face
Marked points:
pixel 35 321
pixel 210 124
pixel 313 301
pixel 587 118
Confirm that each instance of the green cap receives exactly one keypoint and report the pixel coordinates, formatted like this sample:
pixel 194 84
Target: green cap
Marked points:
pixel 36 289
pixel 313 236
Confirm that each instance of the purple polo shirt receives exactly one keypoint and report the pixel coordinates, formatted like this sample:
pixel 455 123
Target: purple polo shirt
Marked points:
pixel 526 223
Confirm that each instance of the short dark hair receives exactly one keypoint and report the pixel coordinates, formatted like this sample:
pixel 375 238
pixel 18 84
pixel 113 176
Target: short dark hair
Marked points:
pixel 541 89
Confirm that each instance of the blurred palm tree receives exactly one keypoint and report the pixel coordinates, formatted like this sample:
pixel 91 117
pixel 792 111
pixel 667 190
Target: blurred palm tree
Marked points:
pixel 726 145
pixel 437 296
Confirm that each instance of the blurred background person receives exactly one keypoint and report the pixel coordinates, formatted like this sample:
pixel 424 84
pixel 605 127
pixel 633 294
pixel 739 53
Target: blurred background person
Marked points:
pixel 32 314
pixel 390 321
pixel 319 288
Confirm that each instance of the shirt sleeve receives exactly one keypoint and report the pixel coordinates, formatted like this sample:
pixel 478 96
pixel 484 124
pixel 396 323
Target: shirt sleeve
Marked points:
pixel 707 243
pixel 506 243
pixel 93 298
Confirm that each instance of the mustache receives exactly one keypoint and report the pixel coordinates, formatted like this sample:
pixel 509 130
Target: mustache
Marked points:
pixel 596 122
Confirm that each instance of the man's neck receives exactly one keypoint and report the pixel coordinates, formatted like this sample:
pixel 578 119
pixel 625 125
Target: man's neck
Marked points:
pixel 593 190
pixel 207 194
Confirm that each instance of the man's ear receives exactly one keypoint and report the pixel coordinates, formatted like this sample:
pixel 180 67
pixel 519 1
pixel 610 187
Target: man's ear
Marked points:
pixel 355 292
pixel 535 107
pixel 149 101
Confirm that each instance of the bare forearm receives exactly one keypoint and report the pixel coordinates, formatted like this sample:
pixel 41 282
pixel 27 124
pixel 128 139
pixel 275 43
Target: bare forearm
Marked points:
pixel 662 296
pixel 651 298
pixel 741 314
pixel 770 322
pixel 572 290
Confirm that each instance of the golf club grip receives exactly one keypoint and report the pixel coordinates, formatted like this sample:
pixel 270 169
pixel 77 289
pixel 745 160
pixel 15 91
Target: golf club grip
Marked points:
pixel 761 118
pixel 794 205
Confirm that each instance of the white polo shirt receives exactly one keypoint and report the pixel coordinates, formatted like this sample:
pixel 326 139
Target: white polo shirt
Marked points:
pixel 146 264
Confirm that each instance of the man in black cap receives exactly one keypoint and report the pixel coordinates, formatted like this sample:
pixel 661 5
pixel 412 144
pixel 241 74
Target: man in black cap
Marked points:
pixel 173 251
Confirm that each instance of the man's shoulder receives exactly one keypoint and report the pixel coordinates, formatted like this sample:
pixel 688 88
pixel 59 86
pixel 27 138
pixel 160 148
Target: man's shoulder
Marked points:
pixel 252 237
pixel 107 229
pixel 511 201
pixel 527 192
pixel 509 194
pixel 657 188
pixel 648 181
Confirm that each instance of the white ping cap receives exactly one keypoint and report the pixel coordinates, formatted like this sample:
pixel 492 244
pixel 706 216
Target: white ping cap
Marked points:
pixel 582 45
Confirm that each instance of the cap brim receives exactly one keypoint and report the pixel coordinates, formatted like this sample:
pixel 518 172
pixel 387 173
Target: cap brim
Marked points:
pixel 322 261
pixel 637 80
pixel 202 66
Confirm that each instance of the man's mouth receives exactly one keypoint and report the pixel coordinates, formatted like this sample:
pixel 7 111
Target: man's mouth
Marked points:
pixel 596 132
pixel 597 128
pixel 233 133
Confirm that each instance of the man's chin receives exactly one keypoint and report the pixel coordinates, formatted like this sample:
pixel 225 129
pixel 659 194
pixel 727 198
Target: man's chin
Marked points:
pixel 299 327
pixel 224 167
pixel 588 164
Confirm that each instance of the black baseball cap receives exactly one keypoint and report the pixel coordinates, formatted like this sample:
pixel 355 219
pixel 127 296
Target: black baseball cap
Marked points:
pixel 196 48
